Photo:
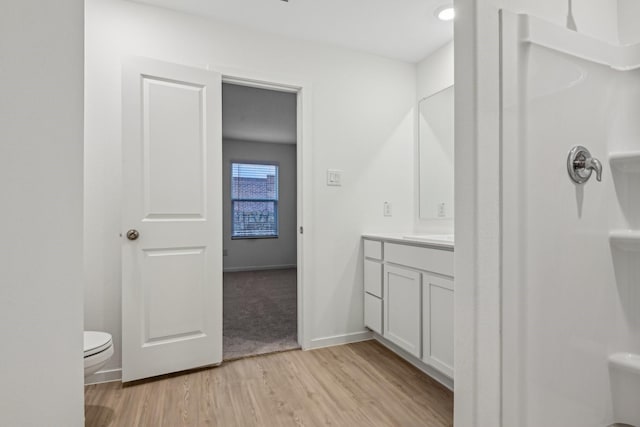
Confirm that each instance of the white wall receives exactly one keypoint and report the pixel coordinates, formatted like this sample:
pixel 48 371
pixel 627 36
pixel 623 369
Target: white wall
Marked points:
pixel 629 30
pixel 477 188
pixel 434 73
pixel 362 123
pixel 253 254
pixel 41 87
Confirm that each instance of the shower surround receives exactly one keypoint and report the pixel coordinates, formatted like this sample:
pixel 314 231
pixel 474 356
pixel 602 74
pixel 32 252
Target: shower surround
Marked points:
pixel 570 252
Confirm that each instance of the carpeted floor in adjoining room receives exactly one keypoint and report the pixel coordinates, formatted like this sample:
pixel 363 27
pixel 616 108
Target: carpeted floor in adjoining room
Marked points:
pixel 260 312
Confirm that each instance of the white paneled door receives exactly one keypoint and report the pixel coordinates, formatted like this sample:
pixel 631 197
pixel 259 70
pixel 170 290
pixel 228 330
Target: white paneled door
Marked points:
pixel 172 219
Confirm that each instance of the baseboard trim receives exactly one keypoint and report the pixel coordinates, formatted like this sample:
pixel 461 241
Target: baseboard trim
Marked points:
pixel 106 376
pixel 432 372
pixel 339 339
pixel 258 268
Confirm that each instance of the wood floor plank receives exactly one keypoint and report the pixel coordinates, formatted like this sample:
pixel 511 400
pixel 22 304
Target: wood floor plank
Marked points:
pixel 362 384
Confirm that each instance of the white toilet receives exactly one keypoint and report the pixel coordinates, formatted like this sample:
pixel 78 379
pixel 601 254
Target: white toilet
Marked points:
pixel 624 370
pixel 98 349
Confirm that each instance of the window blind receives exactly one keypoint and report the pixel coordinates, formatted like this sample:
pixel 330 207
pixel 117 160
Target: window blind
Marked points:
pixel 254 199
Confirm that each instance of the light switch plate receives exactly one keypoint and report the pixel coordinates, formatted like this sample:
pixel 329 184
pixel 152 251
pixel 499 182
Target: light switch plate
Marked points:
pixel 334 177
pixel 387 209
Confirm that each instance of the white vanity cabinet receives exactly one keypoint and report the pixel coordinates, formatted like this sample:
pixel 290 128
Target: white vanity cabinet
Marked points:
pixel 408 298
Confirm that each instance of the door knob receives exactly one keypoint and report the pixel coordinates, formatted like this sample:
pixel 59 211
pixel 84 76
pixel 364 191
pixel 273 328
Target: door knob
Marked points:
pixel 133 234
pixel 580 165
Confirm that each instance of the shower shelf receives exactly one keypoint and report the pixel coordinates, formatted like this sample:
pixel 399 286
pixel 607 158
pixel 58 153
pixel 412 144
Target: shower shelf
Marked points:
pixel 628 240
pixel 627 161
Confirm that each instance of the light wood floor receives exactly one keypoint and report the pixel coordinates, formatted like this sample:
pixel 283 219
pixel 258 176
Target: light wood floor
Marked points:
pixel 361 384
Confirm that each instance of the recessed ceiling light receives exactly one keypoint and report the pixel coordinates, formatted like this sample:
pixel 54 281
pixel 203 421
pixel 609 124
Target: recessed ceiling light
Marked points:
pixel 445 13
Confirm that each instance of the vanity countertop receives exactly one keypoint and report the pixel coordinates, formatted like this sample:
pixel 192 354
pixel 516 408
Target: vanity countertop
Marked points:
pixel 442 241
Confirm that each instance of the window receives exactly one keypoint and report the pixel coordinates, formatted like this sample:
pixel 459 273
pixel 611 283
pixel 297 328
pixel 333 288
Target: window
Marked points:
pixel 254 200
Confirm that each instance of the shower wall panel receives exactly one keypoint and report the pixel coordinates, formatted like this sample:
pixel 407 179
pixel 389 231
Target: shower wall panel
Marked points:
pixel 571 297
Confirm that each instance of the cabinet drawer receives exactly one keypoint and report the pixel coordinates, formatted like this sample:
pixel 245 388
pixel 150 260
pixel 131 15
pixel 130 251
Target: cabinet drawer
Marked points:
pixel 373 249
pixel 373 313
pixel 434 260
pixel 373 277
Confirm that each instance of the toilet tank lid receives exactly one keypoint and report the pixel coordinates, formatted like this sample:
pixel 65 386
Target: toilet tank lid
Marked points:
pixel 95 341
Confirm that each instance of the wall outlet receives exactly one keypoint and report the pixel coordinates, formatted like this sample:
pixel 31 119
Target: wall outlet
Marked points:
pixel 442 210
pixel 387 209
pixel 334 177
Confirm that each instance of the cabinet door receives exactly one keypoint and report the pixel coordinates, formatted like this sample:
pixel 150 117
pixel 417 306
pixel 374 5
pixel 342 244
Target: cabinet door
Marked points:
pixel 373 277
pixel 402 322
pixel 373 313
pixel 437 328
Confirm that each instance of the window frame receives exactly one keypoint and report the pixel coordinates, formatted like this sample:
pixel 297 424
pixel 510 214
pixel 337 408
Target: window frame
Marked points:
pixel 275 201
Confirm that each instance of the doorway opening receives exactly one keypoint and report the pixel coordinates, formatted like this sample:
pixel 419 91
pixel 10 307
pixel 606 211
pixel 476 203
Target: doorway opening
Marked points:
pixel 260 226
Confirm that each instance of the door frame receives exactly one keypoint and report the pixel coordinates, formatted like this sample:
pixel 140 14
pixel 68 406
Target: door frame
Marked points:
pixel 304 179
pixel 479 220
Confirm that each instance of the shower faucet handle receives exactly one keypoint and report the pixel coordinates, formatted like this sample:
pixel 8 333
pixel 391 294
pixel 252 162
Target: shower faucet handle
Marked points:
pixel 594 164
pixel 580 165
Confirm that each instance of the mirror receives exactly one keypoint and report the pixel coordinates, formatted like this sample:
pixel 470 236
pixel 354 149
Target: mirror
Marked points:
pixel 435 145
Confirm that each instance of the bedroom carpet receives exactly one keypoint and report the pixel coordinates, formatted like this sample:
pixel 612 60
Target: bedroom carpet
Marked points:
pixel 260 313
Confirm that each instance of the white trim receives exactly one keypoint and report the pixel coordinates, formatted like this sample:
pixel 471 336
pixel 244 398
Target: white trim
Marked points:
pixel 331 341
pixel 106 376
pixel 259 79
pixel 259 84
pixel 440 377
pixel 258 268
pixel 477 335
pixel 304 197
pixel 511 37
pixel 304 165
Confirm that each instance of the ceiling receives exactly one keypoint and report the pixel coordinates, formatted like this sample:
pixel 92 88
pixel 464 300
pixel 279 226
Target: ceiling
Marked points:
pixel 258 115
pixel 400 29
